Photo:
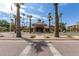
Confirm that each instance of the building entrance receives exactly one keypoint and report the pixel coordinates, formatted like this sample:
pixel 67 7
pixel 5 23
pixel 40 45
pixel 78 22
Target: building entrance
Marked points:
pixel 39 30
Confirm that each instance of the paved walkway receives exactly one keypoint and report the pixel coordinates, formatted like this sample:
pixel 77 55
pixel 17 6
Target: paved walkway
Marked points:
pixel 12 36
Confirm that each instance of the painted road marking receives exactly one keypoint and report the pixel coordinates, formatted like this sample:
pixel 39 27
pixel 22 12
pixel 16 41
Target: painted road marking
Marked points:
pixel 54 50
pixel 26 50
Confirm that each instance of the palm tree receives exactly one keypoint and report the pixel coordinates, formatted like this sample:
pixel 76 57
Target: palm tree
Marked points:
pixel 29 16
pixel 18 31
pixel 12 22
pixel 60 16
pixel 56 20
pixel 49 17
pixel 23 18
pixel 14 16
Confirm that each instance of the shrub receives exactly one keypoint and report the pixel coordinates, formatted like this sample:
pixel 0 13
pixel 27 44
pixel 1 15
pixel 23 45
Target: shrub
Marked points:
pixel 69 36
pixel 32 36
pixel 46 36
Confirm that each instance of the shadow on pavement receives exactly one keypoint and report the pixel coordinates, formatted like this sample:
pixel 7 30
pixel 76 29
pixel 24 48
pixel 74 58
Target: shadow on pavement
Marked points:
pixel 37 45
pixel 26 39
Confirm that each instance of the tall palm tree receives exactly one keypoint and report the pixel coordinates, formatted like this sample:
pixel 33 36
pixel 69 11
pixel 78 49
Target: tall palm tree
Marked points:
pixel 23 19
pixel 14 16
pixel 49 17
pixel 11 25
pixel 56 20
pixel 30 17
pixel 60 16
pixel 18 31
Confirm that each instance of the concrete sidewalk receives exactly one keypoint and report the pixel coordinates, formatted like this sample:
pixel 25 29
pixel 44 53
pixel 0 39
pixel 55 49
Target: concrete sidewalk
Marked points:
pixel 12 36
pixel 41 38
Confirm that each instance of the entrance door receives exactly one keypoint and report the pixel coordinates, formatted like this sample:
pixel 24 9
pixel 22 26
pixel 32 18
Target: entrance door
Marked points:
pixel 39 29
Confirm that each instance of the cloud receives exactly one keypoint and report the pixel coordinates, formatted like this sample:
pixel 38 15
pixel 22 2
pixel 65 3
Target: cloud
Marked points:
pixel 5 8
pixel 35 17
pixel 63 4
pixel 5 18
pixel 9 8
pixel 22 11
pixel 41 9
pixel 45 18
pixel 23 6
pixel 29 7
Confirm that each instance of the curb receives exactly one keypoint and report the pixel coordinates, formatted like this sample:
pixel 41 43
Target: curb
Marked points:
pixel 39 39
pixel 11 39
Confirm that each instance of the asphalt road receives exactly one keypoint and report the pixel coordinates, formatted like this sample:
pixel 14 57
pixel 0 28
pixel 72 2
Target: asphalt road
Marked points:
pixel 39 48
pixel 11 47
pixel 67 48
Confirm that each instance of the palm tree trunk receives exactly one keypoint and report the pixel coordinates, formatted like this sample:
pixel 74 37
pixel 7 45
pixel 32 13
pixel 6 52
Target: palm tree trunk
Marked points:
pixel 15 23
pixel 30 25
pixel 18 32
pixel 49 25
pixel 56 20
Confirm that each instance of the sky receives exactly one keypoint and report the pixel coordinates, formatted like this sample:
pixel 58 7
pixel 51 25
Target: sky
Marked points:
pixel 70 12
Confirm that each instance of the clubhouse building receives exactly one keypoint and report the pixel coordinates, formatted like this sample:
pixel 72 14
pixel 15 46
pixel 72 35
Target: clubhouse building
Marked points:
pixel 40 26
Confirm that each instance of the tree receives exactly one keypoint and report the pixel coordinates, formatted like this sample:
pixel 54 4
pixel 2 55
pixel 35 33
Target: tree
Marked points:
pixel 18 31
pixel 12 25
pixel 14 16
pixel 56 20
pixel 23 19
pixel 49 17
pixel 62 27
pixel 29 16
pixel 60 16
pixel 4 23
pixel 77 23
